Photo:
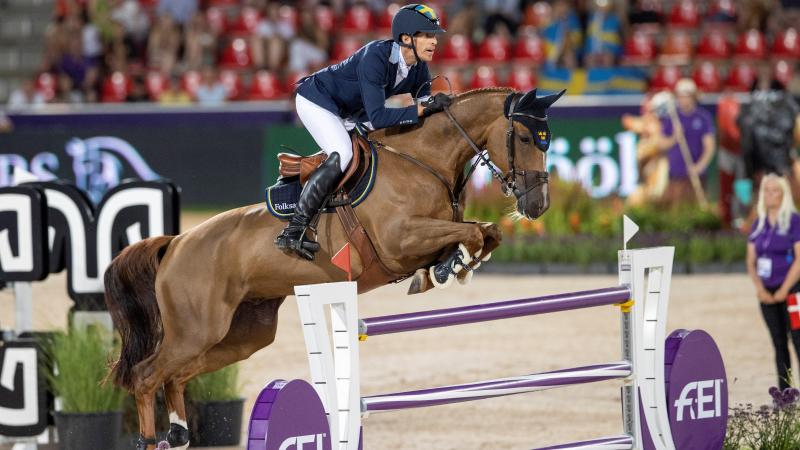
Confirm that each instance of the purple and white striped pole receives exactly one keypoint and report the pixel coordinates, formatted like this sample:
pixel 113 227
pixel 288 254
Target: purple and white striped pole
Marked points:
pixel 624 442
pixel 496 388
pixel 492 311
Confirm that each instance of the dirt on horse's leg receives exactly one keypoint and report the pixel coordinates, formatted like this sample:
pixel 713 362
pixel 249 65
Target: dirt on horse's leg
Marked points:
pixel 178 436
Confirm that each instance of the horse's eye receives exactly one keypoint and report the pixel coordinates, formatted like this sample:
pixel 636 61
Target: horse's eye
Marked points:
pixel 525 139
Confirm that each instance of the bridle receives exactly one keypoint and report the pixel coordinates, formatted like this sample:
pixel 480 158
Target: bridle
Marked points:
pixel 508 180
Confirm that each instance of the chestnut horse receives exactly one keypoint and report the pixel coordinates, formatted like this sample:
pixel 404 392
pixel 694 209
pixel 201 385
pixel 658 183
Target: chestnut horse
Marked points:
pixel 209 297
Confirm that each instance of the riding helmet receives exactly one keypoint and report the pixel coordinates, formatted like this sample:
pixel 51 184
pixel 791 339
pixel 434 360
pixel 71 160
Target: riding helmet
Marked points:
pixel 415 18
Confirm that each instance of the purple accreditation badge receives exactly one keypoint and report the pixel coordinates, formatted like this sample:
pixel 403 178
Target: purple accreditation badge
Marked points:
pixel 288 415
pixel 697 390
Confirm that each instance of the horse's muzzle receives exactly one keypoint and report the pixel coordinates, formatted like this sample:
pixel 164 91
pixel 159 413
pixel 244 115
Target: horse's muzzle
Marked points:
pixel 534 197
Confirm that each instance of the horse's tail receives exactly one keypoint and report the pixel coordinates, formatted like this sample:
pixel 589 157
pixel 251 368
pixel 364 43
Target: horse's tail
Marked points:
pixel 131 300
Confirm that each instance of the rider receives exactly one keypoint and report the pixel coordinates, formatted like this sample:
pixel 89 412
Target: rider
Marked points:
pixel 331 101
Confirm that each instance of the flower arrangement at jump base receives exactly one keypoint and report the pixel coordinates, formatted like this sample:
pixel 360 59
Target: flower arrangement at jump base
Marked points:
pixel 581 231
pixel 775 427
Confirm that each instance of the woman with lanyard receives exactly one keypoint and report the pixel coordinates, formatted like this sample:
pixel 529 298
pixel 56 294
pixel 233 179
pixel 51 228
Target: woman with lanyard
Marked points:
pixel 773 266
pixel 331 101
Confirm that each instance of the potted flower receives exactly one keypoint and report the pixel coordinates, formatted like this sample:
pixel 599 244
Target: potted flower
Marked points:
pixel 89 411
pixel 216 408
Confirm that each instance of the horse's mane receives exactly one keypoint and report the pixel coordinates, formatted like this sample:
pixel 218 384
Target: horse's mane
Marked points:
pixel 486 90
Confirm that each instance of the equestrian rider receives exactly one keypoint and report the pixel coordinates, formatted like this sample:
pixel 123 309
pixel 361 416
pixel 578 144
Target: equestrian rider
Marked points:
pixel 331 101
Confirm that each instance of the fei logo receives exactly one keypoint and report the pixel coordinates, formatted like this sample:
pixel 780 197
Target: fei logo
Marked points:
pixel 705 395
pixel 298 442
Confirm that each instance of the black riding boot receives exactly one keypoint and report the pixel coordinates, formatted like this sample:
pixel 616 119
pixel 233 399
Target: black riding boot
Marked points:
pixel 317 188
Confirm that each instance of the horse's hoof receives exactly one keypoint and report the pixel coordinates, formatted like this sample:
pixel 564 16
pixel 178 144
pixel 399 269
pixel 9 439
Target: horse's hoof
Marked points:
pixel 419 282
pixel 466 278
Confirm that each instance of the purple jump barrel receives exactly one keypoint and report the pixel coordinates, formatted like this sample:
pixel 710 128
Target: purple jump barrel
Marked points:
pixel 493 311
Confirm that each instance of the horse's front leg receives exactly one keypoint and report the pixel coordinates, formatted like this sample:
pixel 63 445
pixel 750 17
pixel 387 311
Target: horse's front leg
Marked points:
pixel 491 240
pixel 425 237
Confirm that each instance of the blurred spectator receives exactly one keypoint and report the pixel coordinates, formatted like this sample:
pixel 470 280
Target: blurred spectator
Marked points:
pixel 135 22
pixel 76 65
pixel 90 37
pixel 66 91
pixel 117 49
pixel 645 12
pixel 181 11
pixel 200 43
pixel 211 91
pixel 562 37
pixel 138 91
pixel 652 163
pixel 769 126
pixel 307 50
pixel 271 38
pixel 174 94
pixel 463 15
pixel 754 14
pixel 729 161
pixel 501 16
pixel 25 96
pixel 163 45
pixel 603 44
pixel 692 128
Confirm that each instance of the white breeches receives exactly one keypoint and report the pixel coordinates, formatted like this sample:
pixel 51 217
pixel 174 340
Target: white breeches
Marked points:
pixel 326 128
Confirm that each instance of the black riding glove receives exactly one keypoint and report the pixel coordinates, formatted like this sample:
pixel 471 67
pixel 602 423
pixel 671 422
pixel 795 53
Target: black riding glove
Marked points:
pixel 435 103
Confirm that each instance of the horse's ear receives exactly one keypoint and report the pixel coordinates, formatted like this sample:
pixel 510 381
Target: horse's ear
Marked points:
pixel 550 99
pixel 527 100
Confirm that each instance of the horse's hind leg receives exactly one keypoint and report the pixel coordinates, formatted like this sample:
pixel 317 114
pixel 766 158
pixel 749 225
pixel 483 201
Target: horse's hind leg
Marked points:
pixel 253 327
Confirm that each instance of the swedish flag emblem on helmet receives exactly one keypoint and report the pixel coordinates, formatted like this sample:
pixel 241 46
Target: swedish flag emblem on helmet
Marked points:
pixel 415 18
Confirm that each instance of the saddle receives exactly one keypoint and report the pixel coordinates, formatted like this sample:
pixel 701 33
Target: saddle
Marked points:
pixel 375 272
pixel 291 165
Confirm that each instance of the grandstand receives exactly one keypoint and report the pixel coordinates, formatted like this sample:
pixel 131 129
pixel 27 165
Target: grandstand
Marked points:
pixel 115 51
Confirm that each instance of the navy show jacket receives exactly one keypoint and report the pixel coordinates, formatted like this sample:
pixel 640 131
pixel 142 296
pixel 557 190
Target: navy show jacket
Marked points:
pixel 357 88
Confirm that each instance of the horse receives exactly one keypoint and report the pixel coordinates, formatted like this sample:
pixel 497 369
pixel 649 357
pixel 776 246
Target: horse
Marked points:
pixel 196 302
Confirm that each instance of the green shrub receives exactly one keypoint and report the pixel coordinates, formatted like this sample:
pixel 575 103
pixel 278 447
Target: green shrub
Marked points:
pixel 701 249
pixel 79 360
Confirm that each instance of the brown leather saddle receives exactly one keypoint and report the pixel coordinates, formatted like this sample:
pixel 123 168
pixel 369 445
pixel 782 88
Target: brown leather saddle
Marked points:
pixel 374 273
pixel 292 165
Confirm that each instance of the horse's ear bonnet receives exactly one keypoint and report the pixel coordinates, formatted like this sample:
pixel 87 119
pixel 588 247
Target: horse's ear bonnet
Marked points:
pixel 531 111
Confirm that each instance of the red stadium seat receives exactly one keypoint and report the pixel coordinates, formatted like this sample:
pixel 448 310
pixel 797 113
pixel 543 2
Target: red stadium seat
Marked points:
pixel 484 76
pixel 116 88
pixel 215 17
pixel 246 21
pixel 325 18
pixel 714 46
pixel 344 47
pixel 529 49
pixel 639 50
pixel 537 14
pixel 677 48
pixel 750 45
pixel 191 81
pixel 457 50
pixel 357 20
pixel 707 78
pixel 684 14
pixel 787 44
pixel 155 83
pixel 385 19
pixel 522 79
pixel 453 75
pixel 236 54
pixel 266 86
pixel 494 49
pixel 233 84
pixel 782 71
pixel 665 78
pixel 46 84
pixel 741 77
